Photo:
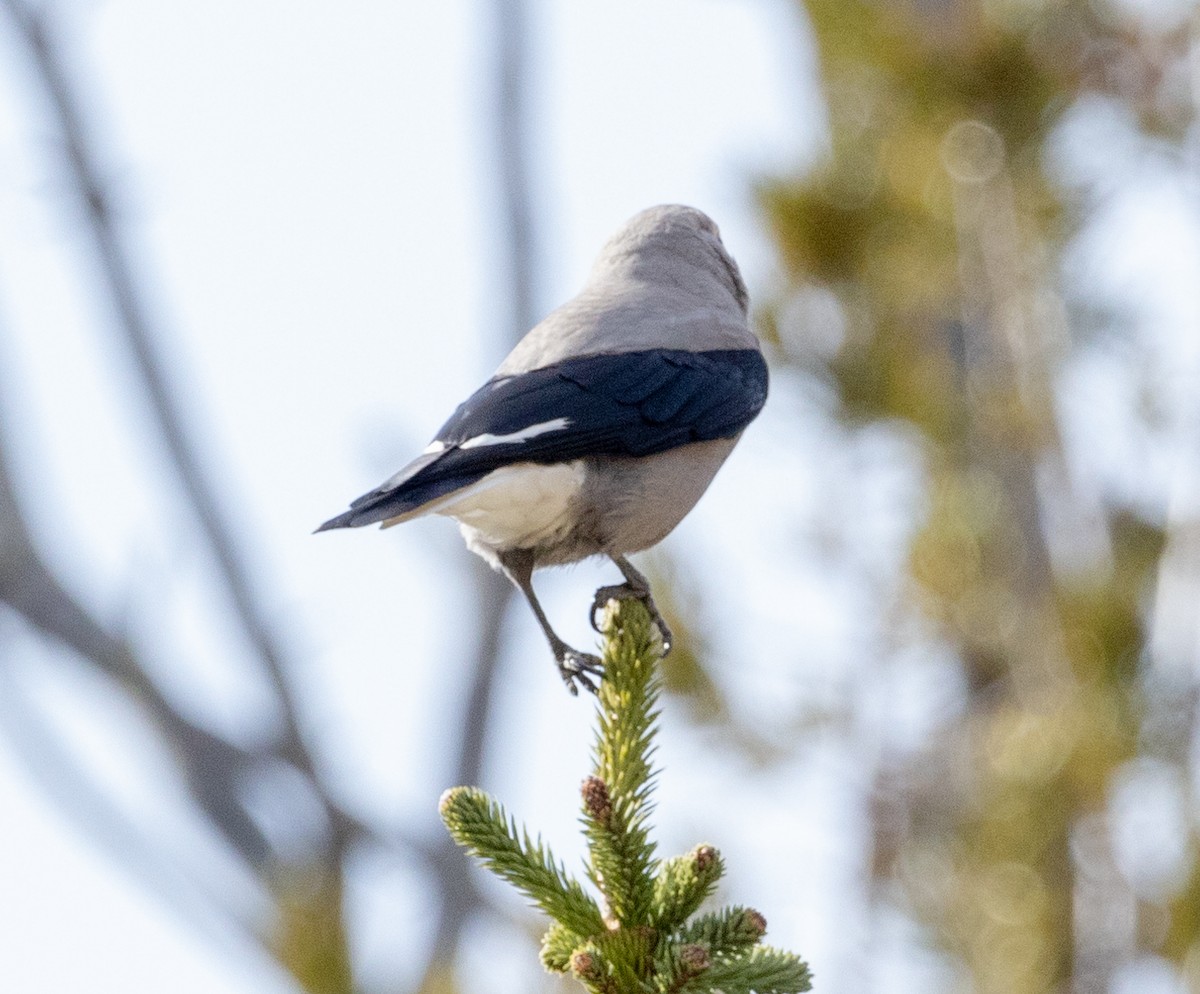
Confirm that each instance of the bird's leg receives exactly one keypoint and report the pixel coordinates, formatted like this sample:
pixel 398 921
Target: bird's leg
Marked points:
pixel 573 665
pixel 637 587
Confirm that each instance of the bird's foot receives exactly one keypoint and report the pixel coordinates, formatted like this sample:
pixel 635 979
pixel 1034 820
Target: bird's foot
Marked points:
pixel 634 591
pixel 577 667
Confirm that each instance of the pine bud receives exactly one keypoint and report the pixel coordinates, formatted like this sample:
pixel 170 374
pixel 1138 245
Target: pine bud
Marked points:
pixel 694 959
pixel 596 799
pixel 704 856
pixel 585 965
pixel 756 922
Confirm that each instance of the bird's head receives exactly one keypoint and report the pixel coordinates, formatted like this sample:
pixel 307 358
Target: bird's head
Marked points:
pixel 663 242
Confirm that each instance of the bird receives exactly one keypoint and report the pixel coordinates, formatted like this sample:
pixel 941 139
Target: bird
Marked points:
pixel 604 425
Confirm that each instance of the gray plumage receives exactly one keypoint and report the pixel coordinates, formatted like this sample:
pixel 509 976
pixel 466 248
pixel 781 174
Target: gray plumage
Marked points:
pixel 604 425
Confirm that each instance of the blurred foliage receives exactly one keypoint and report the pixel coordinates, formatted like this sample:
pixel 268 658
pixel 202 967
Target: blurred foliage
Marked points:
pixel 312 940
pixel 937 230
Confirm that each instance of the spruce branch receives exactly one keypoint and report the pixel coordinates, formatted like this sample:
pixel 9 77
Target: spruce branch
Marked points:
pixel 717 937
pixel 683 883
pixel 617 796
pixel 559 944
pixel 592 970
pixel 763 970
pixel 629 955
pixel 726 932
pixel 482 827
pixel 677 966
pixel 643 942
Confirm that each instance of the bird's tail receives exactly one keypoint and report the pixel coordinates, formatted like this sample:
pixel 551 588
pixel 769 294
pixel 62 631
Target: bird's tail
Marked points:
pixel 391 505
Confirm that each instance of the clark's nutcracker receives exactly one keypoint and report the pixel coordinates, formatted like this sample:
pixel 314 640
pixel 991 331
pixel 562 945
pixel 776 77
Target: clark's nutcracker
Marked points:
pixel 605 424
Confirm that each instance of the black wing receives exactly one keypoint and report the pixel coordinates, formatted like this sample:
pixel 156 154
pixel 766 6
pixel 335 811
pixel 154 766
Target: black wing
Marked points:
pixel 631 403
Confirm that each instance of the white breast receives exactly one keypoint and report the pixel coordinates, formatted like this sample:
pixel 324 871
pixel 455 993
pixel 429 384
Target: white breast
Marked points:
pixel 518 506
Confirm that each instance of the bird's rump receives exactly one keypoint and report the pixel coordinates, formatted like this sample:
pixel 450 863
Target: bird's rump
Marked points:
pixel 627 403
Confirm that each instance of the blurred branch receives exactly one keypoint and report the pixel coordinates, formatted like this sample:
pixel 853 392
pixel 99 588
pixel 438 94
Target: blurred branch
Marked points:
pixel 492 595
pixel 996 284
pixel 459 895
pixel 308 935
pixel 211 765
pixel 1176 632
pixel 134 323
pixel 510 24
pixel 213 768
pixel 103 822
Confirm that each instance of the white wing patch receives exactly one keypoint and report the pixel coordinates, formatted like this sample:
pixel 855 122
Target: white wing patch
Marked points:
pixel 433 448
pixel 524 435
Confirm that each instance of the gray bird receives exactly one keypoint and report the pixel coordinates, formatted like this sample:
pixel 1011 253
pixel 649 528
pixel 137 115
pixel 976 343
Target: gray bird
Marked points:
pixel 604 425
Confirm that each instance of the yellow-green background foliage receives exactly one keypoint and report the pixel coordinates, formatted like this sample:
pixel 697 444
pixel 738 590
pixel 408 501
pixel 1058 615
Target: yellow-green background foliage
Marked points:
pixel 940 226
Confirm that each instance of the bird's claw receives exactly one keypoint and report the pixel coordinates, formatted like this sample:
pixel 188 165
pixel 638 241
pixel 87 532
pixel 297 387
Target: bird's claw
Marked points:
pixel 616 592
pixel 578 667
pixel 626 591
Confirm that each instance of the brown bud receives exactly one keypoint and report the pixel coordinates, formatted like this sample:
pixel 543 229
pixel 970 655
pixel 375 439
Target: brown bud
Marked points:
pixel 596 801
pixel 756 921
pixel 704 856
pixel 694 959
pixel 584 965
